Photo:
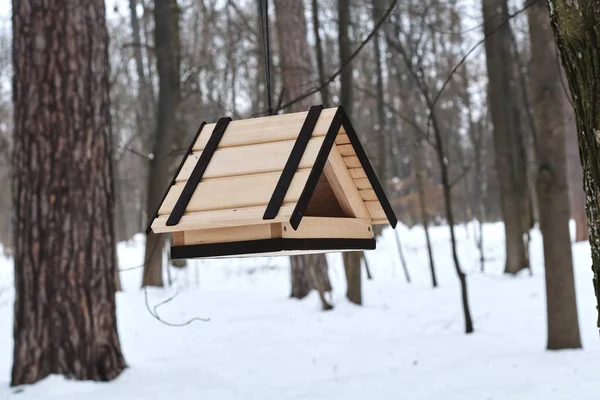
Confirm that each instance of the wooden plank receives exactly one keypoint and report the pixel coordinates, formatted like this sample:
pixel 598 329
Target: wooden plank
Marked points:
pixel 343 186
pixel 229 234
pixel 267 129
pixel 319 227
pixel 346 150
pixel 251 159
pixel 362 183
pixel 234 192
pixel 381 222
pixel 375 210
pixel 357 173
pixel 221 218
pixel 342 138
pixel 352 162
pixel 368 194
pixel 178 239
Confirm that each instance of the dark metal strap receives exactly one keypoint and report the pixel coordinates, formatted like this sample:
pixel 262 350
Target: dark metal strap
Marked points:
pixel 198 172
pixel 293 162
pixel 315 172
pixel 187 153
pixel 366 165
pixel 261 246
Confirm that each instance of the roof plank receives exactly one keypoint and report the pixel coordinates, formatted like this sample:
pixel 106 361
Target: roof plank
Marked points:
pixel 267 129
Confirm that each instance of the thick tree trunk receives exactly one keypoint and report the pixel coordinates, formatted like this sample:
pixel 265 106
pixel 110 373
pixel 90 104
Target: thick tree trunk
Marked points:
pixel 309 271
pixel 65 256
pixel 574 175
pixel 166 43
pixel 553 191
pixel 511 165
pixel 575 25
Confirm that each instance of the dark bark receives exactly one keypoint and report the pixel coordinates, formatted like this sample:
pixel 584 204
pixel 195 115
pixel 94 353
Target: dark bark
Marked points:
pixel 353 276
pixel 575 26
pixel 307 271
pixel 166 45
pixel 574 174
pixel 351 259
pixel 344 44
pixel 319 51
pixel 380 128
pixel 420 178
pixel 511 165
pixel 553 196
pixel 403 260
pixel 65 256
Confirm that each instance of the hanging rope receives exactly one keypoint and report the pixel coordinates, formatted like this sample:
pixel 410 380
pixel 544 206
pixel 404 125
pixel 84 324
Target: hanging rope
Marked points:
pixel 263 6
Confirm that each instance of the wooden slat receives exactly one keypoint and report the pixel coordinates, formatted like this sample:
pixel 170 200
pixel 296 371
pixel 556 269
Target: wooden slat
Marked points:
pixel 221 218
pixel 178 239
pixel 368 194
pixel 343 186
pixel 251 159
pixel 375 211
pixel 362 183
pixel 381 222
pixel 235 191
pixel 357 173
pixel 346 150
pixel 352 162
pixel 267 129
pixel 342 138
pixel 319 227
pixel 229 234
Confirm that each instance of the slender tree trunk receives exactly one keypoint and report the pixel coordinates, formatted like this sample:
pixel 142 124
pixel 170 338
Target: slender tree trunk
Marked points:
pixel 307 271
pixel 166 45
pixel 420 178
pixel 511 165
pixel 353 276
pixel 319 51
pixel 351 259
pixel 553 191
pixel 575 26
pixel 65 256
pixel 402 259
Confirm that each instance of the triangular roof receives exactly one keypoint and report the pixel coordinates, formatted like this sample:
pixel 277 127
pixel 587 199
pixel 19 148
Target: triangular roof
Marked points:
pixel 267 169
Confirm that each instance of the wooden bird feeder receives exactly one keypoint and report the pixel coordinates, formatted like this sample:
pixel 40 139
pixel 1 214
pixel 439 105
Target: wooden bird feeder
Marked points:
pixel 279 185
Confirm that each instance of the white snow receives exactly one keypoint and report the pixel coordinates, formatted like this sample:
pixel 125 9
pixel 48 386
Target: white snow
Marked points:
pixel 406 342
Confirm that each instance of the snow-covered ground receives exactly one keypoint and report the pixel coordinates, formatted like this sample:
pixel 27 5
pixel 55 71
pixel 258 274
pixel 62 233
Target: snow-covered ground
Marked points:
pixel 406 342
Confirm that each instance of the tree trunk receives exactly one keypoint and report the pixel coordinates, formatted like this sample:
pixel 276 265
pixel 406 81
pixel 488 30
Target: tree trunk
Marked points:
pixel 511 165
pixel 351 259
pixel 344 44
pixel 420 178
pixel 576 35
pixel 308 271
pixel 319 50
pixel 65 256
pixel 353 276
pixel 166 43
pixel 574 175
pixel 553 192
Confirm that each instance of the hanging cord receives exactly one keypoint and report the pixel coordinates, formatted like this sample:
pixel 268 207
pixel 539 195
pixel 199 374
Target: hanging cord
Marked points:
pixel 264 27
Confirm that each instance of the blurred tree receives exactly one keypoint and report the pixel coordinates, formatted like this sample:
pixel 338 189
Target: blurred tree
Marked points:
pixel 511 163
pixel 167 43
pixel 352 259
pixel 308 271
pixel 65 255
pixel 553 197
